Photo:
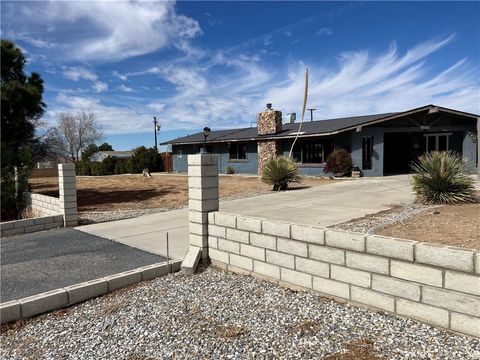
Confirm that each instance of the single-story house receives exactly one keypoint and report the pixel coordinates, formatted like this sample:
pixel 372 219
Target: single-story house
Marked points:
pixel 380 144
pixel 99 156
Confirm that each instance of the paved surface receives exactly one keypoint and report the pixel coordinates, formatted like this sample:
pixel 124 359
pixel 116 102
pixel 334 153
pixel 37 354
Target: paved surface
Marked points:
pixel 322 206
pixel 47 260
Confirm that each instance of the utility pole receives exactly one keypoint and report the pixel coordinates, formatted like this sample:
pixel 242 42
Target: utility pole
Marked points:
pixel 156 128
pixel 311 113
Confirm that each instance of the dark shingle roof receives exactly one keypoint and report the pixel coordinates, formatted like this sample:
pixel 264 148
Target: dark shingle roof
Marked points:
pixel 313 128
pixel 308 128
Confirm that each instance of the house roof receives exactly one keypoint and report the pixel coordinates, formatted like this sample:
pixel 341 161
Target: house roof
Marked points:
pixel 309 128
pixel 100 155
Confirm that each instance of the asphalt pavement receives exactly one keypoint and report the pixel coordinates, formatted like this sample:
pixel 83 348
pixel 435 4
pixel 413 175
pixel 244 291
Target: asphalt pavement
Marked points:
pixel 48 260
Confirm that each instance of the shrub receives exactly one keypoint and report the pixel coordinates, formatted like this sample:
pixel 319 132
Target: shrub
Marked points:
pixel 441 178
pixel 230 170
pixel 144 158
pixel 83 168
pixel 108 165
pixel 280 172
pixel 339 162
pixel 121 167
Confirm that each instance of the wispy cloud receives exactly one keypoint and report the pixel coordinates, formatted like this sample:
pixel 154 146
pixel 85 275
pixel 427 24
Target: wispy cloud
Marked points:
pixel 361 82
pixel 77 73
pixel 120 76
pixel 324 31
pixel 99 30
pixel 125 88
pixel 99 86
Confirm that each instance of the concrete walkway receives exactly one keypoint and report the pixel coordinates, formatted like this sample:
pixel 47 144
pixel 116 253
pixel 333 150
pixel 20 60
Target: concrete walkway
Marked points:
pixel 321 206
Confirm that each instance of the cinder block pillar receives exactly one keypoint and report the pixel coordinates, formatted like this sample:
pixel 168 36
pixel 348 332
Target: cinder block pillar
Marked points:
pixel 202 199
pixel 67 186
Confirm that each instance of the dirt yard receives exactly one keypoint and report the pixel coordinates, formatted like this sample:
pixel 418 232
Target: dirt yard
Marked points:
pixel 456 225
pixel 126 192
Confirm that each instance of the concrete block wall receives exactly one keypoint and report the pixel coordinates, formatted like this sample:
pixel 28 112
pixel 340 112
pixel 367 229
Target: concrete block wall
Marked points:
pixel 53 212
pixel 202 198
pixel 25 226
pixel 67 188
pixel 42 205
pixel 439 285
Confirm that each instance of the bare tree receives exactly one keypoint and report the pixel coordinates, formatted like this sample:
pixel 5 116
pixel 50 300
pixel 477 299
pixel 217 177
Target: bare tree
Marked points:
pixel 74 133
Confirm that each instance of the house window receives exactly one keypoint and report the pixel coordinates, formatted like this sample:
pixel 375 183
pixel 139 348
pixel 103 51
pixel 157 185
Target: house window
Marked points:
pixel 312 152
pixel 179 153
pixel 437 142
pixel 237 151
pixel 367 152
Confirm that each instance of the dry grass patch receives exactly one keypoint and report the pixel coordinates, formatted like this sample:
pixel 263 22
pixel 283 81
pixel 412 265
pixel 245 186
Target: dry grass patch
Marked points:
pixel 455 225
pixel 229 331
pixel 132 192
pixel 362 349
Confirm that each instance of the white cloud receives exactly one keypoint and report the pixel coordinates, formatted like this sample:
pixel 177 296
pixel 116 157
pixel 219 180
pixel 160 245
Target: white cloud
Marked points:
pixel 324 31
pixel 119 75
pixel 101 30
pixel 99 86
pixel 76 73
pixel 125 88
pixel 361 82
pixel 112 119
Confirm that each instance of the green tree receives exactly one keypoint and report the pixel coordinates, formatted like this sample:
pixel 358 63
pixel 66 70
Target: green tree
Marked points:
pixel 21 110
pixel 144 158
pixel 89 151
pixel 105 147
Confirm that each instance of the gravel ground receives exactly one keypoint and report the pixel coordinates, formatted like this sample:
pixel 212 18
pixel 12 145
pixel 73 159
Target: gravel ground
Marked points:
pixel 221 315
pixel 93 217
pixel 370 223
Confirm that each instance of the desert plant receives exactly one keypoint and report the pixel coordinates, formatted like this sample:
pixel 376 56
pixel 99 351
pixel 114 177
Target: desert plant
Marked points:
pixel 280 172
pixel 339 162
pixel 230 170
pixel 441 178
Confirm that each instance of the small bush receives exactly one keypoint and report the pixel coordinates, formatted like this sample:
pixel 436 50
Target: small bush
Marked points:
pixel 121 167
pixel 230 170
pixel 83 168
pixel 108 165
pixel 280 172
pixel 339 162
pixel 441 178
pixel 144 158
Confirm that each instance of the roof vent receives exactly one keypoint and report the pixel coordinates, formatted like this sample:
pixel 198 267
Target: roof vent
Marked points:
pixel 269 106
pixel 291 117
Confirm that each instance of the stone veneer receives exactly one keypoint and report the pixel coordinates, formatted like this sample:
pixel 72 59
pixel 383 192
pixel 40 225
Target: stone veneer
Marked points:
pixel 439 285
pixel 269 122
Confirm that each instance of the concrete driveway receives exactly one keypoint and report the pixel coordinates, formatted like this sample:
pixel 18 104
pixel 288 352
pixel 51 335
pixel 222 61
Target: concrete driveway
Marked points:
pixel 48 260
pixel 321 206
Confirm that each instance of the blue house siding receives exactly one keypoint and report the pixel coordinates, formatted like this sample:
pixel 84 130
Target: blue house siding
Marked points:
pixel 469 152
pixel 248 166
pixel 377 160
pixel 352 141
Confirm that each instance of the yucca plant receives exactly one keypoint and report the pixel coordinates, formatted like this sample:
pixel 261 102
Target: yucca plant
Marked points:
pixel 280 172
pixel 441 178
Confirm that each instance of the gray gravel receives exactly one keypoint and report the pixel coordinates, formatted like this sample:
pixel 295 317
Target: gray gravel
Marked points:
pixel 220 315
pixel 370 223
pixel 93 217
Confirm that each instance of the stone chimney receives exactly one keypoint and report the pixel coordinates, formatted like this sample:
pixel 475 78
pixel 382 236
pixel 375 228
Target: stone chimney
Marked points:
pixel 269 122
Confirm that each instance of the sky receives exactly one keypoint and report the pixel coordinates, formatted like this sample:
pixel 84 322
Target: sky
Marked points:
pixel 196 64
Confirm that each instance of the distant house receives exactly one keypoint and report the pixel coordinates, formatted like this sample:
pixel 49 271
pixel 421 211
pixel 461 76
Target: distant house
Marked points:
pixel 380 144
pixel 102 155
